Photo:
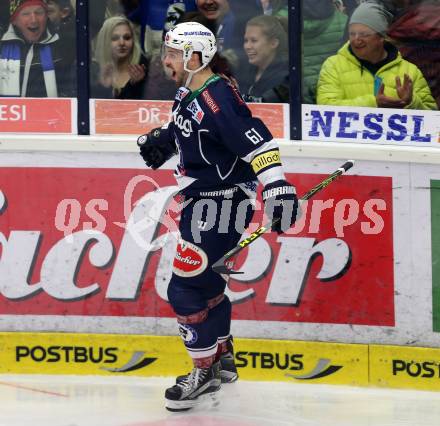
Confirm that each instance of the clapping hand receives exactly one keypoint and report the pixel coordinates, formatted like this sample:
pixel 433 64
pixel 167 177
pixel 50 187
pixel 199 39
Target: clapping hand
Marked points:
pixel 136 72
pixel 404 91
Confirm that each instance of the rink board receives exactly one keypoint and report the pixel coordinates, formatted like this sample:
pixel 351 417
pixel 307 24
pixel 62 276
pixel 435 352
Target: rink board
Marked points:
pixel 256 359
pixel 405 367
pixel 93 354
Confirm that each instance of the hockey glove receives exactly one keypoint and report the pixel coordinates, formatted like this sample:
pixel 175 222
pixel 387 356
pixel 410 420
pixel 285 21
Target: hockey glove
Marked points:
pixel 154 149
pixel 280 205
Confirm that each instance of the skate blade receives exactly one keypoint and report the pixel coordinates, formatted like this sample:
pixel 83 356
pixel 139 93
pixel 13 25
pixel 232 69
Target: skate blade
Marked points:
pixel 228 376
pixel 208 400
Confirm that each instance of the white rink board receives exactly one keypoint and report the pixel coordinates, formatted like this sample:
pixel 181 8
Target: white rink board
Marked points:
pixel 412 248
pixel 365 125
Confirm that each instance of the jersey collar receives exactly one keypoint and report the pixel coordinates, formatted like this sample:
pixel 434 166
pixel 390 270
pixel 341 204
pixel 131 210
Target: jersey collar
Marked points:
pixel 197 92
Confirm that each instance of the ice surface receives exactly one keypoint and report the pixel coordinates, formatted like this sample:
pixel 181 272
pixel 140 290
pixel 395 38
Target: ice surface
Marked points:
pixel 37 400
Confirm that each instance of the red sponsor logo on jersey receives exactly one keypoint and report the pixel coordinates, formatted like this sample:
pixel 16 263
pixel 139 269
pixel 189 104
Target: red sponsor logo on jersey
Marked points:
pixel 197 113
pixel 190 260
pixel 237 94
pixel 199 116
pixel 210 102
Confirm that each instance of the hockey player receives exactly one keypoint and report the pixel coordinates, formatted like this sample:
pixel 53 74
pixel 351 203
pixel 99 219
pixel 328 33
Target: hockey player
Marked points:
pixel 223 153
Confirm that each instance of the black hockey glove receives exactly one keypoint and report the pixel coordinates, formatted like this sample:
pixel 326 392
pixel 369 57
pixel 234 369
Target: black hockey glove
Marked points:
pixel 154 149
pixel 280 204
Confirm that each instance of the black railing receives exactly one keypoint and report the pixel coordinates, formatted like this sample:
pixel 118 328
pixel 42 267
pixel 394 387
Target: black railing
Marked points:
pixel 83 62
pixel 295 66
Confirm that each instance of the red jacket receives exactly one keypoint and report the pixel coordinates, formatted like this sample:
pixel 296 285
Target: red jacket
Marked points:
pixel 417 34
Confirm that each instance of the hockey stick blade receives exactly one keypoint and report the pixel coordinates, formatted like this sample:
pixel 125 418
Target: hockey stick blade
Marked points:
pixel 220 266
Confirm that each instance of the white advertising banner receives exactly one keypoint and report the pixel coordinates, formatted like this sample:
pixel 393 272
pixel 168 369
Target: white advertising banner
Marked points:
pixel 327 123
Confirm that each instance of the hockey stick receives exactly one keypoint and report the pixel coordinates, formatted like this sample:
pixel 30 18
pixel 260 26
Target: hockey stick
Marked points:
pixel 220 266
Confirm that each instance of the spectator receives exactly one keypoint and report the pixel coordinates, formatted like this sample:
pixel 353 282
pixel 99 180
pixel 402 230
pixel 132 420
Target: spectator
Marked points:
pixel 394 7
pixel 60 13
pixel 120 68
pixel 350 6
pixel 266 47
pixel 229 18
pixel 417 34
pixel 219 12
pixel 62 21
pixel 31 61
pixel 219 64
pixel 275 7
pixel 155 16
pixel 368 71
pixel 323 34
pixel 4 17
pixel 100 10
pixel 339 6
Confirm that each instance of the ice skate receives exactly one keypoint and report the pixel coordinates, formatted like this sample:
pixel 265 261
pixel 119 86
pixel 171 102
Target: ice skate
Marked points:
pixel 202 384
pixel 228 369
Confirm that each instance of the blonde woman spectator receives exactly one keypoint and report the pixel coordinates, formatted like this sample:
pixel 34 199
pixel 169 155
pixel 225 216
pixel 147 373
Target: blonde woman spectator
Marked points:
pixel 120 69
pixel 266 76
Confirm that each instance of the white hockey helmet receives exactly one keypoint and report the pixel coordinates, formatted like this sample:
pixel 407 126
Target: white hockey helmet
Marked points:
pixel 190 37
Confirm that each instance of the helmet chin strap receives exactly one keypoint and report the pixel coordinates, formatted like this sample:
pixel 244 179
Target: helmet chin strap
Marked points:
pixel 191 72
pixel 189 78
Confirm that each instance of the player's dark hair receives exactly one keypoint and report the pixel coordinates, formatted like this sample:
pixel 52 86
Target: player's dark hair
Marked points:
pixel 220 65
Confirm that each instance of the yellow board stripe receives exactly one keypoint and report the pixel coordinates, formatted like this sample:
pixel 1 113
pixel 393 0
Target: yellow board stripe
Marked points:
pixel 256 359
pixel 266 160
pixel 405 367
pixel 106 354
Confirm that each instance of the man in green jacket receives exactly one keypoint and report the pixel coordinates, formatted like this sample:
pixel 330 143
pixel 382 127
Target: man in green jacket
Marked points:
pixel 323 32
pixel 369 71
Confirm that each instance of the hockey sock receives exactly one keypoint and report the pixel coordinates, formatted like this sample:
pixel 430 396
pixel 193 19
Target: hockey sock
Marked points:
pixel 201 332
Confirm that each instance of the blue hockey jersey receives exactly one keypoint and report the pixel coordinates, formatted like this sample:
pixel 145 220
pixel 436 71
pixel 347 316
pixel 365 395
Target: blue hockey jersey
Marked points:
pixel 216 137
